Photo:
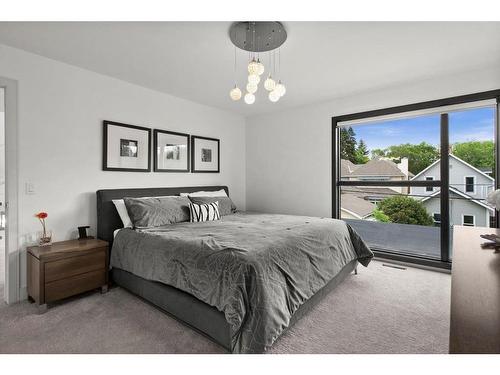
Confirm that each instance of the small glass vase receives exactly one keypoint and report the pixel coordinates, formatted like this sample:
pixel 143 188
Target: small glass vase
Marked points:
pixel 45 238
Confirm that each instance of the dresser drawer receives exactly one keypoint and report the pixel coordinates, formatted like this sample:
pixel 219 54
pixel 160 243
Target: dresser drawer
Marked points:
pixel 64 268
pixel 77 284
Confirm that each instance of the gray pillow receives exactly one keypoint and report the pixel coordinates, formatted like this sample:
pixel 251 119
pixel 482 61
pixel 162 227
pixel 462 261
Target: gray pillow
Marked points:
pixel 153 212
pixel 226 205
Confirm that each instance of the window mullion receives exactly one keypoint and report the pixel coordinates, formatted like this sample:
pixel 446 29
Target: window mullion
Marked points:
pixel 445 192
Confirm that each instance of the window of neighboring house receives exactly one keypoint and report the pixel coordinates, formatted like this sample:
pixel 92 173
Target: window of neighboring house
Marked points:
pixel 468 220
pixel 437 219
pixel 469 184
pixel 429 188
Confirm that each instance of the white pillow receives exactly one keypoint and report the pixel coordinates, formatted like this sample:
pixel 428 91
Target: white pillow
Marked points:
pixel 123 213
pixel 219 193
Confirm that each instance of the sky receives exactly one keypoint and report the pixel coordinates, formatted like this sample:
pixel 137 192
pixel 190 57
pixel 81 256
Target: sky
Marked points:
pixel 467 125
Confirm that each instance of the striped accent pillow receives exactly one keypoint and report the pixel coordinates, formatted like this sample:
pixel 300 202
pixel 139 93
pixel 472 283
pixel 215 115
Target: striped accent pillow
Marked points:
pixel 204 212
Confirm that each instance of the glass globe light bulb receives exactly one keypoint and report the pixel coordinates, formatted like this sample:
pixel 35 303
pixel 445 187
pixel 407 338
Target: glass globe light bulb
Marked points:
pixel 269 84
pixel 280 88
pixel 260 67
pixel 249 98
pixel 274 96
pixel 252 88
pixel 253 67
pixel 235 93
pixel 254 78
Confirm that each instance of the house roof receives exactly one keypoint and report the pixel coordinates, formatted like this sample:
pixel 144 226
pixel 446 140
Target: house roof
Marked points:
pixel 462 194
pixel 356 205
pixel 486 169
pixel 346 167
pixel 458 159
pixel 354 199
pixel 378 167
pixel 368 191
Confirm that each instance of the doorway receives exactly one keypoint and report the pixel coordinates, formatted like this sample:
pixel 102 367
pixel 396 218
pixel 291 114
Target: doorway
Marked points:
pixel 10 252
pixel 2 194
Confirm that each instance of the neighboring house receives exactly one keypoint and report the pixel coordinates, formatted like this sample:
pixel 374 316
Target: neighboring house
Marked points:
pixel 469 188
pixel 346 168
pixel 380 169
pixel 355 206
pixel 359 202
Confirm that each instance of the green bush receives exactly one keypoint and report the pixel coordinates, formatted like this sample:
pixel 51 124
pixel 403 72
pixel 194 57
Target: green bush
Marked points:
pixel 403 210
pixel 380 216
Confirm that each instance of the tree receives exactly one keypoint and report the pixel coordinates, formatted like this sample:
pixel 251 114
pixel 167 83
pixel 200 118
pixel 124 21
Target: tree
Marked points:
pixel 420 156
pixel 380 216
pixel 361 153
pixel 378 152
pixel 348 144
pixel 404 210
pixel 476 153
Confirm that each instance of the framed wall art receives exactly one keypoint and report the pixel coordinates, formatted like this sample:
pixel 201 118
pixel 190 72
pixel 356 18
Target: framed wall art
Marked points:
pixel 126 147
pixel 171 151
pixel 205 155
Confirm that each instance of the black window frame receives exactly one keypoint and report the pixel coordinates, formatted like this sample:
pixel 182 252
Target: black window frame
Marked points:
pixel 442 183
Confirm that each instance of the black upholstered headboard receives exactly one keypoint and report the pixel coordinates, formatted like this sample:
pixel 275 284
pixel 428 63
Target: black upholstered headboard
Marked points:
pixel 107 217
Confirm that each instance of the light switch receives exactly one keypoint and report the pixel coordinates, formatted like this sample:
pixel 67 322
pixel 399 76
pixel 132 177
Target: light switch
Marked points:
pixel 30 188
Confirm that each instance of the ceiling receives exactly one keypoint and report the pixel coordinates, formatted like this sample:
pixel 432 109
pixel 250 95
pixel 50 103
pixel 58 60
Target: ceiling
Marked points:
pixel 320 60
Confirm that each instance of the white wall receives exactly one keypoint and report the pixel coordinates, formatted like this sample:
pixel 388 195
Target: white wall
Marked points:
pixel 61 108
pixel 289 153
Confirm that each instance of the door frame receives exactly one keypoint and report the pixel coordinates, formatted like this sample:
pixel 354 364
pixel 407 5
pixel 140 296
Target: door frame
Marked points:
pixel 12 252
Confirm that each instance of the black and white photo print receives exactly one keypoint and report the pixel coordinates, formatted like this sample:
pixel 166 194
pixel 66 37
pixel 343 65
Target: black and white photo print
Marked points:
pixel 126 147
pixel 205 154
pixel 171 151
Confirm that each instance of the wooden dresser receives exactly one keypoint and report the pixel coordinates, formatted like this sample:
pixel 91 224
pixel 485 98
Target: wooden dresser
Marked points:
pixel 475 293
pixel 65 269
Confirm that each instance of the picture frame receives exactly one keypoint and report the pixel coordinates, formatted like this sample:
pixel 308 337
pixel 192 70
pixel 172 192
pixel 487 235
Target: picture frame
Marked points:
pixel 171 151
pixel 126 148
pixel 205 154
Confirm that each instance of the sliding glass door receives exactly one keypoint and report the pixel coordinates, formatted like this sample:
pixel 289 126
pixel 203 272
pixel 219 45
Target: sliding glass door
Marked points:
pixel 404 177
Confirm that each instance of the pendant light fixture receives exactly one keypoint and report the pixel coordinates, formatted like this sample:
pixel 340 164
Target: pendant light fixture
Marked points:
pixel 235 93
pixel 256 38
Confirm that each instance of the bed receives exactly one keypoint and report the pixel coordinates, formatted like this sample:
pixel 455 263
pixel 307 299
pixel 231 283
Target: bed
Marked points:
pixel 242 280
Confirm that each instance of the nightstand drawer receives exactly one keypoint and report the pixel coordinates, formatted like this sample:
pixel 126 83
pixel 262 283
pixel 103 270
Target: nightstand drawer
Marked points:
pixel 64 268
pixel 77 284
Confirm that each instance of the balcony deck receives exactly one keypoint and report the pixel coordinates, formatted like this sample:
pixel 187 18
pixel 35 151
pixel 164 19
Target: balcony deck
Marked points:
pixel 416 240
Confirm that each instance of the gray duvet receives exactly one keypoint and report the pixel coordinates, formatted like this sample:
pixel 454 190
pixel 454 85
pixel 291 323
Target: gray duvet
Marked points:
pixel 257 269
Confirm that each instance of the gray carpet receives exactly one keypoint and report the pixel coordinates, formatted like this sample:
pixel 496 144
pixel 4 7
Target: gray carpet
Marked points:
pixel 381 310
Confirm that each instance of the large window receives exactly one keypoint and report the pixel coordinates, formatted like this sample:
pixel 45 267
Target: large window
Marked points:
pixel 403 177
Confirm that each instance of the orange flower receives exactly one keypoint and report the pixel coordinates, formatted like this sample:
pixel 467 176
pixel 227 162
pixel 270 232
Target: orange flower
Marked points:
pixel 41 215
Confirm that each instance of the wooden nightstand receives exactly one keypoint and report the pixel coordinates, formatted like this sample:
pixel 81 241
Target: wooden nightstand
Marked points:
pixel 65 269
